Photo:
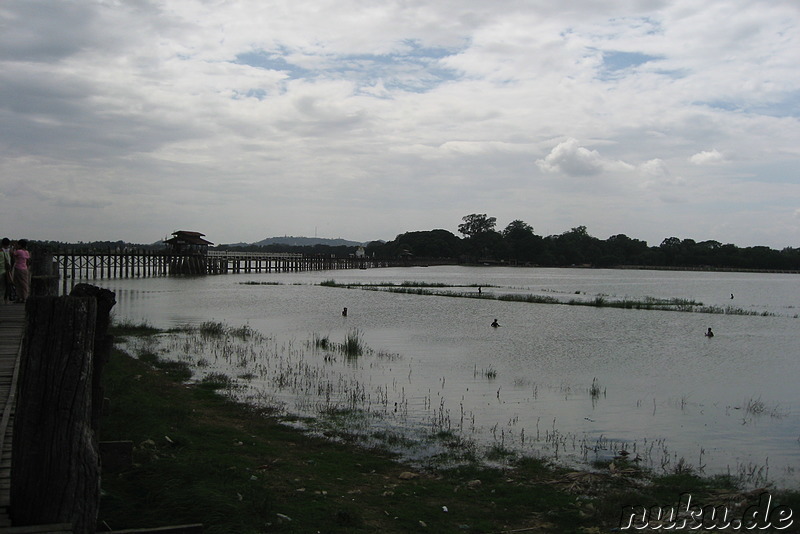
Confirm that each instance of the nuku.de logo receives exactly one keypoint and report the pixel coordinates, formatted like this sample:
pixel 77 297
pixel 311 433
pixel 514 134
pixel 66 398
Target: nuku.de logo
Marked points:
pixel 686 515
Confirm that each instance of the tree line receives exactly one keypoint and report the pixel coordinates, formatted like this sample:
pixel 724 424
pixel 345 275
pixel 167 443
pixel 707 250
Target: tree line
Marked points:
pixel 518 244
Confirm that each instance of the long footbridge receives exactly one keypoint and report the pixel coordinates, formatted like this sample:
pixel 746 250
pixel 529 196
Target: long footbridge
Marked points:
pixel 147 263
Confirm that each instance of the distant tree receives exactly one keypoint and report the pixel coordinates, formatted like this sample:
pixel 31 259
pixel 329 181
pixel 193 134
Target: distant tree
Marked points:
pixel 576 247
pixel 521 243
pixel 431 244
pixel 671 250
pixel 517 227
pixel 475 224
pixel 622 250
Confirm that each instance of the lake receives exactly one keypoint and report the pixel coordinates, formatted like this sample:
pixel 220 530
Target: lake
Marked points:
pixel 571 383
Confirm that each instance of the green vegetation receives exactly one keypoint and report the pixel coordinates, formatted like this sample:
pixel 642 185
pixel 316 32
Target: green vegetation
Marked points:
pixel 599 301
pixel 216 329
pixel 352 347
pixel 201 458
pixel 353 344
pixel 129 328
pixel 517 244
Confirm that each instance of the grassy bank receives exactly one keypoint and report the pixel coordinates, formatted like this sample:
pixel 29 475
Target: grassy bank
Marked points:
pixel 200 458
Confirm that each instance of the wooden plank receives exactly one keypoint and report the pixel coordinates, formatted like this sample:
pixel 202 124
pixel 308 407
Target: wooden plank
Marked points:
pixel 11 331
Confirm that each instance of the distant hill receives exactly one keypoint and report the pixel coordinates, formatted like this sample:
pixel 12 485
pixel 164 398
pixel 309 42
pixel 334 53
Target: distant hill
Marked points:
pixel 300 242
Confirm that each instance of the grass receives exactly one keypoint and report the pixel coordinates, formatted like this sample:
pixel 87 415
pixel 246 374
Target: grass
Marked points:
pixel 599 301
pixel 489 372
pixel 127 328
pixel 352 347
pixel 200 457
pixel 353 344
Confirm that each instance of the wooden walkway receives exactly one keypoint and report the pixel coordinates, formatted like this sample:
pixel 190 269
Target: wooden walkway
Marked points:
pixel 12 325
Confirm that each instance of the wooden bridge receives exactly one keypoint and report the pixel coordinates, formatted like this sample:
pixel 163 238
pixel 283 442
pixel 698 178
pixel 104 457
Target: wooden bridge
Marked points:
pixel 147 263
pixel 12 325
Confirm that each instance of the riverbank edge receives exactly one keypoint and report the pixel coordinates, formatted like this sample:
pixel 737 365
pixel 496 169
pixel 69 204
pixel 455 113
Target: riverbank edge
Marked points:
pixel 201 457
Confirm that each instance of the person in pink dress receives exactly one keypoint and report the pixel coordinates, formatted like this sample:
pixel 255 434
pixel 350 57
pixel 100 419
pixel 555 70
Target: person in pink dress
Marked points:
pixel 21 260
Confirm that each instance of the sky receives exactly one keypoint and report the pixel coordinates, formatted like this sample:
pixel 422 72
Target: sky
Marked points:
pixel 131 119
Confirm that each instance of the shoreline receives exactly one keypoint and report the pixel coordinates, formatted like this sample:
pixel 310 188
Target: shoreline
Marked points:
pixel 580 500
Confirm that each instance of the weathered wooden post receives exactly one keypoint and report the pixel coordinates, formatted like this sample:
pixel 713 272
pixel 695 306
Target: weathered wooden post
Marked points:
pixel 103 343
pixel 55 464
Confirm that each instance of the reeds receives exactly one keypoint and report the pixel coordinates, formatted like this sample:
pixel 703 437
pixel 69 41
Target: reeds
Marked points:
pixel 308 380
pixel 598 301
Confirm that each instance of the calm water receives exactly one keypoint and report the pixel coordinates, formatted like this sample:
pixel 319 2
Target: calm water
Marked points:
pixel 663 390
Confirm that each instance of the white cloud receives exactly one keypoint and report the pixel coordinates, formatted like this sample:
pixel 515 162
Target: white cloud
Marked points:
pixel 405 115
pixel 707 157
pixel 568 157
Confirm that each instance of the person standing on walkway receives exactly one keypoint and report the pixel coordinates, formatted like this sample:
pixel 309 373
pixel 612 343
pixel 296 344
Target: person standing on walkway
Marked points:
pixel 5 269
pixel 22 261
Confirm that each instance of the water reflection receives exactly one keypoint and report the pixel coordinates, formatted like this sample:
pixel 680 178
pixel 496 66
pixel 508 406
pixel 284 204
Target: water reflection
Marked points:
pixel 575 383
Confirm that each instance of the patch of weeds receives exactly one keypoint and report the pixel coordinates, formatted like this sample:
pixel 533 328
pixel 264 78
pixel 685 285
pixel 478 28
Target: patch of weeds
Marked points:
pixel 211 329
pixel 389 356
pixel 489 372
pixel 423 284
pixel 499 453
pixel 757 407
pixel 150 358
pixel 178 371
pixel 353 344
pixel 321 342
pixel 594 389
pixel 243 332
pixel 215 381
pixel 127 327
pixel 394 439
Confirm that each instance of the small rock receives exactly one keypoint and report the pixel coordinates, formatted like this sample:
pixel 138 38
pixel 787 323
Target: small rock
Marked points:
pixel 474 483
pixel 407 475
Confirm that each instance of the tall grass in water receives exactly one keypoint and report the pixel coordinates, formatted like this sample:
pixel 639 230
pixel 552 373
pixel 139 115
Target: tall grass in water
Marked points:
pixel 594 390
pixel 212 329
pixel 353 344
pixel 321 342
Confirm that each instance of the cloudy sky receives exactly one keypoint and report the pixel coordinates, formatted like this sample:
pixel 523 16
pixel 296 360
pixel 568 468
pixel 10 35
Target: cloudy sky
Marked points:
pixel 363 119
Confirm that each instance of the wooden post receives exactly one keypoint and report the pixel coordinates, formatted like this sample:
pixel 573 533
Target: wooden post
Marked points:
pixel 55 464
pixel 103 343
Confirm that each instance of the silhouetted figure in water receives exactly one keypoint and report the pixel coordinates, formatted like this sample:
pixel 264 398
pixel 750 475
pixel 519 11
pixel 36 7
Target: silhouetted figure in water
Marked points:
pixel 344 312
pixel 731 295
pixel 479 290
pixel 709 333
pixel 495 324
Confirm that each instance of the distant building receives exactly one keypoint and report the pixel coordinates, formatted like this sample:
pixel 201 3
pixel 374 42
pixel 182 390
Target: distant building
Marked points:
pixel 183 242
pixel 360 252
